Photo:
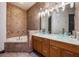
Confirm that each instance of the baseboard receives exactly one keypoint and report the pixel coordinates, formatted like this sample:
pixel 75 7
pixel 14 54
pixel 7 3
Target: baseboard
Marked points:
pixel 2 51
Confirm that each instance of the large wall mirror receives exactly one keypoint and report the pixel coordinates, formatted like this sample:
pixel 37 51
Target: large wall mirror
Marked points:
pixel 60 21
pixel 63 20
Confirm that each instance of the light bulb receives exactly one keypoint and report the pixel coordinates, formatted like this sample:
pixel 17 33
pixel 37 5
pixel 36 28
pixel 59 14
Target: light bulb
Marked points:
pixel 42 13
pixel 46 11
pixel 40 8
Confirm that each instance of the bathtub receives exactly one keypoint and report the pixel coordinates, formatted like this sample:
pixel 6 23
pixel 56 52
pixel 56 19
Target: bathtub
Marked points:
pixel 16 44
pixel 17 39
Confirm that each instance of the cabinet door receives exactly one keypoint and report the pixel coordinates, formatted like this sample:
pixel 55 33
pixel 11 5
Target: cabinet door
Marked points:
pixel 39 46
pixel 34 43
pixel 55 51
pixel 45 47
pixel 68 54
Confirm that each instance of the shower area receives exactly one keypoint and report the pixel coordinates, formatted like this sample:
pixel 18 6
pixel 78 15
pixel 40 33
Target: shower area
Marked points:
pixel 17 40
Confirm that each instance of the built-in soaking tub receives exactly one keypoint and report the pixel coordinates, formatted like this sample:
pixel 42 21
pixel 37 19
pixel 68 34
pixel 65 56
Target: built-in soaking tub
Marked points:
pixel 16 44
pixel 19 39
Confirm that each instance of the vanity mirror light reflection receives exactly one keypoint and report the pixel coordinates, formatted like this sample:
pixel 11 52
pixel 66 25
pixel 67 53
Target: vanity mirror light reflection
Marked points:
pixel 59 21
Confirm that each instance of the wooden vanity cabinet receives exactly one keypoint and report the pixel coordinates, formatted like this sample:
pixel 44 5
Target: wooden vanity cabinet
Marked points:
pixel 41 45
pixel 53 48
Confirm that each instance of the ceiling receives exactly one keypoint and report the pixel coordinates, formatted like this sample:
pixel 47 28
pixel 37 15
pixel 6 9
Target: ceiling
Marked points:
pixel 23 5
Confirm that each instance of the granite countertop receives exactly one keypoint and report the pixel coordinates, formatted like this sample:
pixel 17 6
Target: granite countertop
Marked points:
pixel 58 37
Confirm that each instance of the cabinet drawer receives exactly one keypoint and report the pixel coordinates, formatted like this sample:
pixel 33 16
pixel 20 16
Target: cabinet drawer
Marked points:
pixel 66 53
pixel 61 45
pixel 55 51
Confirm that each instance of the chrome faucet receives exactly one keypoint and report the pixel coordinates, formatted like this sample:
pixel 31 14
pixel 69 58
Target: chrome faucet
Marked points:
pixel 63 30
pixel 43 30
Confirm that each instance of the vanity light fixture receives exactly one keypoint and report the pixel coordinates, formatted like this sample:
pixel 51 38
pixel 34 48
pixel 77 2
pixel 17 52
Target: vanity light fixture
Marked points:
pixel 39 13
pixel 40 9
pixel 51 9
pixel 71 4
pixel 47 11
pixel 63 8
pixel 63 3
pixel 57 9
pixel 42 13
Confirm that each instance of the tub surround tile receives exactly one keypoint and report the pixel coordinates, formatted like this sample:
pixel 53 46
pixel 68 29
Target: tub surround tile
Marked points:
pixel 16 47
pixel 16 21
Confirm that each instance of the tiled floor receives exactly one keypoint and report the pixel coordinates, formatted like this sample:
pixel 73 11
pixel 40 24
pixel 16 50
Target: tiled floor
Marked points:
pixel 18 54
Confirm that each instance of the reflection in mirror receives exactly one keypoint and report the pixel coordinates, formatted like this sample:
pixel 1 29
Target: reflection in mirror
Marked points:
pixel 49 24
pixel 63 21
pixel 60 20
pixel 44 23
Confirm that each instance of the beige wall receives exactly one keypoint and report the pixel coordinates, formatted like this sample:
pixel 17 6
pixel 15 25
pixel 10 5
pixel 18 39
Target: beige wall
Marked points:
pixel 16 21
pixel 2 25
pixel 33 17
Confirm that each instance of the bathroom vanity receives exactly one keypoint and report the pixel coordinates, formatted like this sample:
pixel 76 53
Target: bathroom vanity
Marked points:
pixel 52 46
pixel 57 44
